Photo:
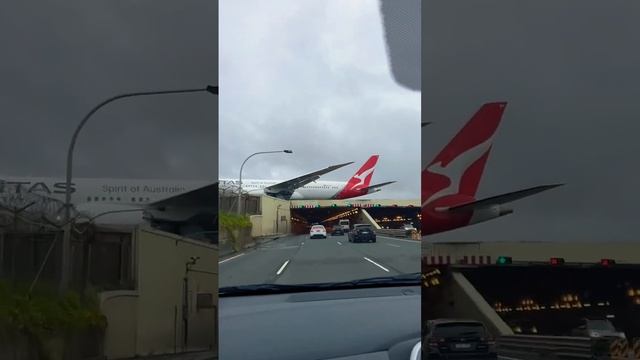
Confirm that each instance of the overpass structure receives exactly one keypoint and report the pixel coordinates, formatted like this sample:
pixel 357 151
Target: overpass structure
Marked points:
pixel 381 213
pixel 485 253
pixel 533 288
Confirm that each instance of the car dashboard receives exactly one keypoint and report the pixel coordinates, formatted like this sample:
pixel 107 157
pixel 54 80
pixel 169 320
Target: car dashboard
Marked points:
pixel 381 323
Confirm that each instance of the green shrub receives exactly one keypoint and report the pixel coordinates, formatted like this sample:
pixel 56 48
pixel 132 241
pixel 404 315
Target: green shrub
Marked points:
pixel 44 314
pixel 231 223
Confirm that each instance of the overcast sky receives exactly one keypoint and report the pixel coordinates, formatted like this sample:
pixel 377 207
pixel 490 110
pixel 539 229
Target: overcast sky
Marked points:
pixel 570 71
pixel 59 59
pixel 313 76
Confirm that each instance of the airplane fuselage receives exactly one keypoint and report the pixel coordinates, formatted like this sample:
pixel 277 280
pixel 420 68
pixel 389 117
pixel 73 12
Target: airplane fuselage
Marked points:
pixel 317 190
pixel 92 196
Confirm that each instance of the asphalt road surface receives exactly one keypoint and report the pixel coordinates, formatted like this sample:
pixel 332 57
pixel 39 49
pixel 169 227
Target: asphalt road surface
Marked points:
pixel 300 260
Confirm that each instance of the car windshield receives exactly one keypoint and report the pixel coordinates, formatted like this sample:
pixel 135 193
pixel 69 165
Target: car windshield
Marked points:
pixel 459 329
pixel 600 325
pixel 306 138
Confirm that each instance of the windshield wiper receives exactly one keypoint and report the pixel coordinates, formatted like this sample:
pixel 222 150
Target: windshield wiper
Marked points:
pixel 411 279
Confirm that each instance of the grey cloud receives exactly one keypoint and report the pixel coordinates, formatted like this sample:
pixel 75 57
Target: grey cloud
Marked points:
pixel 570 72
pixel 61 59
pixel 319 83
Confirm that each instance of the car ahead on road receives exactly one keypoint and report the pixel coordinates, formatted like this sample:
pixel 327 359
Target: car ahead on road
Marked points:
pixel 597 328
pixel 457 339
pixel 318 231
pixel 362 233
pixel 337 231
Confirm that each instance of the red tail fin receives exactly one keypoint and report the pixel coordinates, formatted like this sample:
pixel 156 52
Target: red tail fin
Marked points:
pixel 360 180
pixel 458 168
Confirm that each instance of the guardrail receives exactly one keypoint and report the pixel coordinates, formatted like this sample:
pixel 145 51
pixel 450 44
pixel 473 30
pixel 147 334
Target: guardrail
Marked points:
pixel 400 233
pixel 530 347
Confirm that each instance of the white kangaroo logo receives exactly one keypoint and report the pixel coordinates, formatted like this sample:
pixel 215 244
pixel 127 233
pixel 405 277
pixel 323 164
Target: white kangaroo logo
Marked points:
pixel 456 168
pixel 362 177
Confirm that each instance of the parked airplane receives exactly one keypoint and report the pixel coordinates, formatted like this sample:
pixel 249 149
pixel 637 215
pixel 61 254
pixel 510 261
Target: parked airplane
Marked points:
pixel 307 187
pixel 450 181
pixel 126 202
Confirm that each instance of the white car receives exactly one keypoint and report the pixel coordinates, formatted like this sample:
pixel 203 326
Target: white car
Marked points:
pixel 318 231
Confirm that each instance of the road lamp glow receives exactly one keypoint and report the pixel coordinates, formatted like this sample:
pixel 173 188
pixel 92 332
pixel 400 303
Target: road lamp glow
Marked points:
pixel 239 208
pixel 66 240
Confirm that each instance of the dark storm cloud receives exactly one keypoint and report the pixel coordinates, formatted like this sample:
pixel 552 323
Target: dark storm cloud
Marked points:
pixel 62 58
pixel 571 72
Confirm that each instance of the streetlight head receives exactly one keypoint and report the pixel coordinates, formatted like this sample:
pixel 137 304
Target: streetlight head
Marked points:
pixel 289 151
pixel 212 89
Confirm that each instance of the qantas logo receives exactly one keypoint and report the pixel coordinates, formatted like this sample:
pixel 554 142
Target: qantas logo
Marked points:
pixel 362 177
pixel 19 187
pixel 455 169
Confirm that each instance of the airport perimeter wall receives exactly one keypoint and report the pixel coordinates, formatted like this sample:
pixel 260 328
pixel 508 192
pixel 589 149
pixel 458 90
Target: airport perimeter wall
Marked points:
pixel 274 219
pixel 173 307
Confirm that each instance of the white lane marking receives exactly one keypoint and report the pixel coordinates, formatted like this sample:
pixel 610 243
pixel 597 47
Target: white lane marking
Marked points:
pixel 231 258
pixel 339 243
pixel 376 264
pixel 393 245
pixel 278 248
pixel 390 238
pixel 282 267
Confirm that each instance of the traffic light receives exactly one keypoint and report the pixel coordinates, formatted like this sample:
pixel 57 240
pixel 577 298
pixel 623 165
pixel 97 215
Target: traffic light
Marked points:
pixel 607 262
pixel 556 261
pixel 378 205
pixel 504 260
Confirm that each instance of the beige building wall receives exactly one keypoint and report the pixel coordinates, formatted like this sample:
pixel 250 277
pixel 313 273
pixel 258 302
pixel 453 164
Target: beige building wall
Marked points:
pixel 120 307
pixel 153 313
pixel 272 212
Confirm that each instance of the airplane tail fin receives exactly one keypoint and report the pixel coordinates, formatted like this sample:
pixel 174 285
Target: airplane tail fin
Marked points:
pixel 360 180
pixel 458 168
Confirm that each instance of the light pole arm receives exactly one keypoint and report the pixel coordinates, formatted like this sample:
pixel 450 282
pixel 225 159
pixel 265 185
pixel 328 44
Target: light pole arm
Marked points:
pixel 86 118
pixel 66 240
pixel 240 176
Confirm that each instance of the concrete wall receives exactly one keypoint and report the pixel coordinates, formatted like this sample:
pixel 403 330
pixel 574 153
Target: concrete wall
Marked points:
pixel 365 218
pixel 456 298
pixel 540 251
pixel 356 202
pixel 256 225
pixel 120 308
pixel 272 210
pixel 152 315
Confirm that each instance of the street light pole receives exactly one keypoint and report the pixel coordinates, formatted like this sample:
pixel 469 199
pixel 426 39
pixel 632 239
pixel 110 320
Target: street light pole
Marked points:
pixel 65 276
pixel 242 166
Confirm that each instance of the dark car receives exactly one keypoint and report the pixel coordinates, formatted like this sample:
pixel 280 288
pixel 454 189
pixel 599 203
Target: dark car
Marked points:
pixel 457 339
pixel 337 230
pixel 362 233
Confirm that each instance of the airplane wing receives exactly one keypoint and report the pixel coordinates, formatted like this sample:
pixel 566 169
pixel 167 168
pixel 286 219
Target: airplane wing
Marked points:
pixel 500 199
pixel 425 123
pixel 376 186
pixel 206 196
pixel 285 189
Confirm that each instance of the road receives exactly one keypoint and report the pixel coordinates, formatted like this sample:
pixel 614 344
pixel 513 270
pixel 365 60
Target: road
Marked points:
pixel 300 260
